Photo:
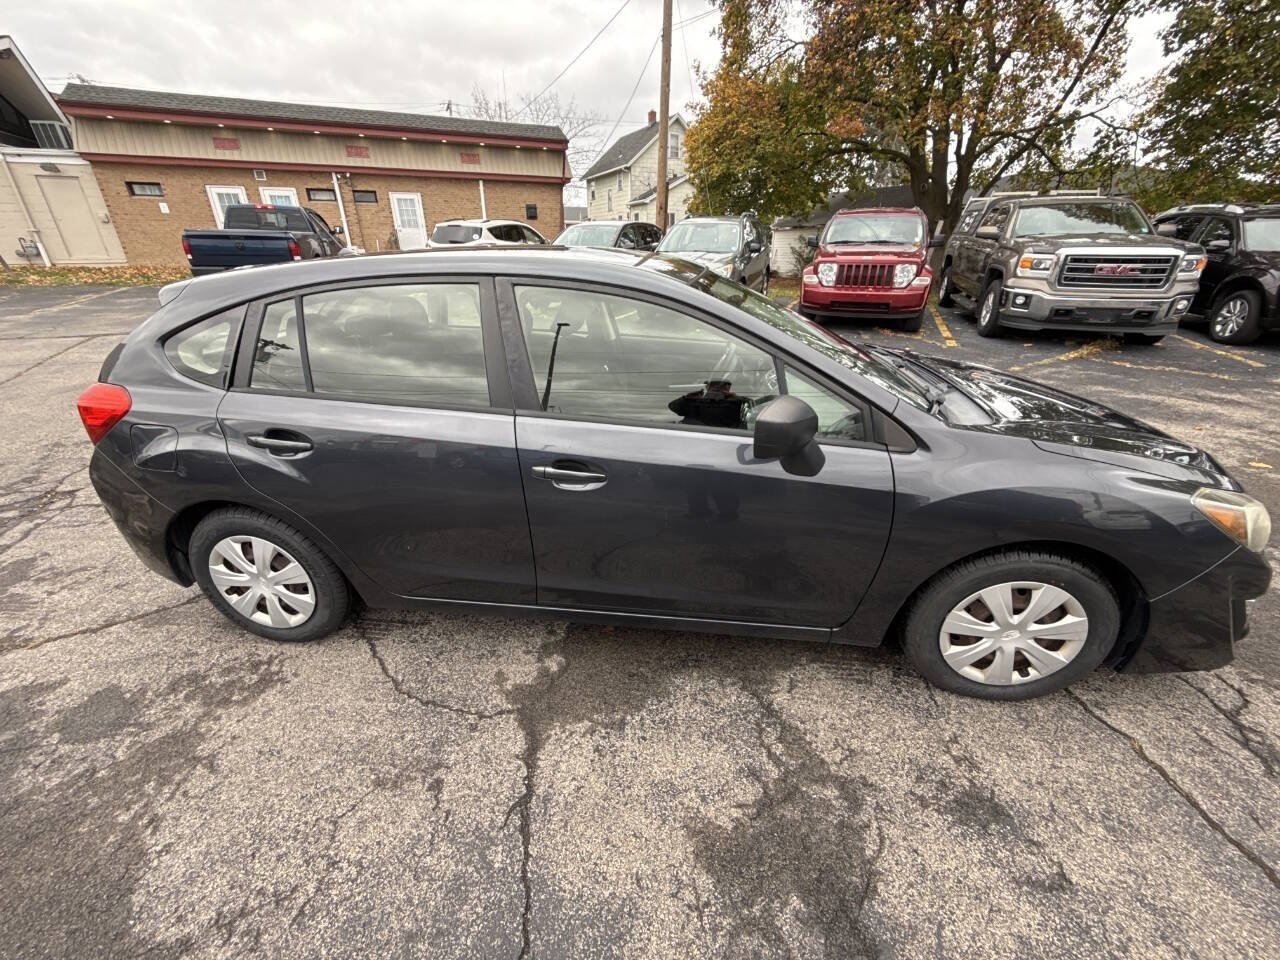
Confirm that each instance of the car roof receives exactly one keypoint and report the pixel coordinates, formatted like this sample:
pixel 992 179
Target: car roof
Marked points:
pixel 859 211
pixel 603 223
pixel 478 222
pixel 1229 209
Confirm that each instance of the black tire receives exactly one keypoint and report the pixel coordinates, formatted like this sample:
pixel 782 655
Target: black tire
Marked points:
pixel 764 284
pixel 1249 329
pixel 332 595
pixel 912 323
pixel 1143 339
pixel 937 599
pixel 991 326
pixel 945 290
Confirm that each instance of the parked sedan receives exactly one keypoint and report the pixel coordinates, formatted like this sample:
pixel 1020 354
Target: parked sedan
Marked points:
pixel 623 234
pixel 593 435
pixel 473 233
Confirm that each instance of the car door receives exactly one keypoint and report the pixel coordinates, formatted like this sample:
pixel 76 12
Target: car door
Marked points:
pixel 328 243
pixel 628 237
pixel 380 415
pixel 634 436
pixel 753 254
pixel 978 250
pixel 1218 237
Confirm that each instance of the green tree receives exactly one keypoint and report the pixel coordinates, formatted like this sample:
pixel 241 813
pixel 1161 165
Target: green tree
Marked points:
pixel 945 95
pixel 1212 128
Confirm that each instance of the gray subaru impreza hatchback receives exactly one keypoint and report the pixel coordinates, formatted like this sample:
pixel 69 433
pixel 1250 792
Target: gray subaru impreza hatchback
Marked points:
pixel 599 436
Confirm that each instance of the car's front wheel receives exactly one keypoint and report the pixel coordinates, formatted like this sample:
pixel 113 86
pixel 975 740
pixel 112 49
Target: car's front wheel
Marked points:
pixel 945 290
pixel 267 577
pixel 1012 626
pixel 989 309
pixel 1235 318
pixel 764 284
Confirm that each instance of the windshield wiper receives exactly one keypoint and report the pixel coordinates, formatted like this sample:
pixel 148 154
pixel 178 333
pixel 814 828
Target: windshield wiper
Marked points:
pixel 934 394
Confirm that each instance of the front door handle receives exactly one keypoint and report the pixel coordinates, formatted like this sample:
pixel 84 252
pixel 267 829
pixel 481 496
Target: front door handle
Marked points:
pixel 578 477
pixel 279 445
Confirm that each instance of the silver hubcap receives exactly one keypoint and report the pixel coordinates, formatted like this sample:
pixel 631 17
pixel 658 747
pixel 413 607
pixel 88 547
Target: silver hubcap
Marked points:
pixel 988 308
pixel 1013 633
pixel 1231 317
pixel 262 581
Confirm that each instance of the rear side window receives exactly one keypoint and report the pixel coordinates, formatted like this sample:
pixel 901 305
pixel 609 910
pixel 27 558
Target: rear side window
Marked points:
pixel 203 351
pixel 277 356
pixel 417 343
pixel 454 233
pixel 251 218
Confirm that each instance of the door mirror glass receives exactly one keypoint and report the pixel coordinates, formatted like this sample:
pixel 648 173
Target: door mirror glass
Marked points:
pixel 785 431
pixel 811 243
pixel 1218 245
pixel 986 232
pixel 754 247
pixel 336 231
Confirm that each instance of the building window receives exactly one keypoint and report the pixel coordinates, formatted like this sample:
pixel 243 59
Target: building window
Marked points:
pixel 673 147
pixel 138 189
pixel 51 134
pixel 593 193
pixel 671 220
pixel 619 179
pixel 531 211
pixel 259 174
pixel 365 196
pixel 609 200
pixel 321 193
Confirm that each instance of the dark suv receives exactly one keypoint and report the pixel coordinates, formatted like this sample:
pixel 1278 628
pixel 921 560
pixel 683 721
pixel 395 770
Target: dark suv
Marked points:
pixel 734 247
pixel 1240 286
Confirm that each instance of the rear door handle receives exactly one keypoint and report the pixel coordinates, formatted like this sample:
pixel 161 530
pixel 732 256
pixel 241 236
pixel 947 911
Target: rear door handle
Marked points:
pixel 278 445
pixel 576 478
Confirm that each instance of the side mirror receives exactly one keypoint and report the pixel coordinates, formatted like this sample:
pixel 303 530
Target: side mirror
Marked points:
pixel 987 233
pixel 336 231
pixel 1218 246
pixel 939 241
pixel 785 431
pixel 811 243
pixel 754 247
pixel 1169 229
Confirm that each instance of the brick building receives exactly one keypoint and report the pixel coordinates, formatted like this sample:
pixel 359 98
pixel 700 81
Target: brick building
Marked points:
pixel 168 161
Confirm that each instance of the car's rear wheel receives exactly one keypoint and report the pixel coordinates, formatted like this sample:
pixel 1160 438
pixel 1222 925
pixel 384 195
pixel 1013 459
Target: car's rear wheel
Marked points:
pixel 1012 626
pixel 267 577
pixel 1235 318
pixel 989 309
pixel 944 288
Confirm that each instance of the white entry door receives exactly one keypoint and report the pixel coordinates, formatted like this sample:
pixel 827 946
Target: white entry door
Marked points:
pixel 222 197
pixel 279 196
pixel 410 224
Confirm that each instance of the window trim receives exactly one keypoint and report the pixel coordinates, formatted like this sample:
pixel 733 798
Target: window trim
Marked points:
pixel 355 195
pixel 525 392
pixel 130 184
pixel 495 357
pixel 210 188
pixel 312 198
pixel 293 191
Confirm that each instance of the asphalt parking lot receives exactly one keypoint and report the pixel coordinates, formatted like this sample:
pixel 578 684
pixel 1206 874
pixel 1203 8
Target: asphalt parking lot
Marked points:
pixel 422 785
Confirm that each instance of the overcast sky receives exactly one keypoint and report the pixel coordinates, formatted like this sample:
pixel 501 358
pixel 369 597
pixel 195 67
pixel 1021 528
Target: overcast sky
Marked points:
pixel 410 55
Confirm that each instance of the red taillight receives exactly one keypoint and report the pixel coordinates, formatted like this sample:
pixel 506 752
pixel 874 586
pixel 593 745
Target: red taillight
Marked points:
pixel 295 251
pixel 186 247
pixel 101 407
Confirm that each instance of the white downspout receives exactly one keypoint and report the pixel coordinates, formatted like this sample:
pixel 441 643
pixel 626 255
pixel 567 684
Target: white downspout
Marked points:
pixel 31 224
pixel 342 212
pixel 484 215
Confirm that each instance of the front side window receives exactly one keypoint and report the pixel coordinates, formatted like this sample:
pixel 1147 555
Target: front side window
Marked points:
pixel 1180 228
pixel 202 351
pixel 996 217
pixel 420 343
pixel 530 235
pixel 837 419
pixel 629 360
pixel 871 228
pixel 1079 218
pixel 588 235
pixel 1219 230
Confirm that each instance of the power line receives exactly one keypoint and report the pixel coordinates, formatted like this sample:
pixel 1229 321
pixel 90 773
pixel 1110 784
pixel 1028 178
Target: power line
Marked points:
pixel 643 70
pixel 532 99
pixel 684 42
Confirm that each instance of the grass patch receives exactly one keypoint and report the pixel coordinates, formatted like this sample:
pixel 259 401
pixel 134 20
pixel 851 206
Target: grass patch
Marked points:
pixel 139 276
pixel 788 287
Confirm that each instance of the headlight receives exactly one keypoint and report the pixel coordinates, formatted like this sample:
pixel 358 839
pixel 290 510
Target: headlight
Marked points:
pixel 725 270
pixel 1034 265
pixel 904 273
pixel 1192 264
pixel 1239 516
pixel 826 274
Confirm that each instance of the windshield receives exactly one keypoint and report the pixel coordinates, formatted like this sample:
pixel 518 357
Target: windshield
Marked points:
pixel 589 235
pixel 1085 217
pixel 454 233
pixel 1262 234
pixel 692 236
pixel 874 229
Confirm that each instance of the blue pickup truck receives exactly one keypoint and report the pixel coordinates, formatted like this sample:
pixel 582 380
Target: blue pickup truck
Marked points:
pixel 258 233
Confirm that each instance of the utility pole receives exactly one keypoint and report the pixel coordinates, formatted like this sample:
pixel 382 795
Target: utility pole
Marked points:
pixel 664 113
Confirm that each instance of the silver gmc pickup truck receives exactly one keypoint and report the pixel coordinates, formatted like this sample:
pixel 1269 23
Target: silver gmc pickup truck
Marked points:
pixel 1068 262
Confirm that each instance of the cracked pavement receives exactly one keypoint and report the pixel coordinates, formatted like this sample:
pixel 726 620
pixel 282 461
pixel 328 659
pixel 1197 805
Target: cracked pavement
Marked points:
pixel 420 785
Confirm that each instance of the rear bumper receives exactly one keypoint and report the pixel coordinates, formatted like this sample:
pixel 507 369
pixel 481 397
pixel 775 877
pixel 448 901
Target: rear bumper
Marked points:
pixel 142 520
pixel 1028 309
pixel 865 303
pixel 1197 626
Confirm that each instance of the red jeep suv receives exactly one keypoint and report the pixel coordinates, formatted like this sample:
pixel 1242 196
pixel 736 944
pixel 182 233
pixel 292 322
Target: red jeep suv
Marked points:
pixel 870 263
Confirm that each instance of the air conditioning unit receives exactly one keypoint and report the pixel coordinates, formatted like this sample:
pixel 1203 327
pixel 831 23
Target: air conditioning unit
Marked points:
pixel 259 174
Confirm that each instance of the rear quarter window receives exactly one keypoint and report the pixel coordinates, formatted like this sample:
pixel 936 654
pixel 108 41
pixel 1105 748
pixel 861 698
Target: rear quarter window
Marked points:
pixel 203 350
